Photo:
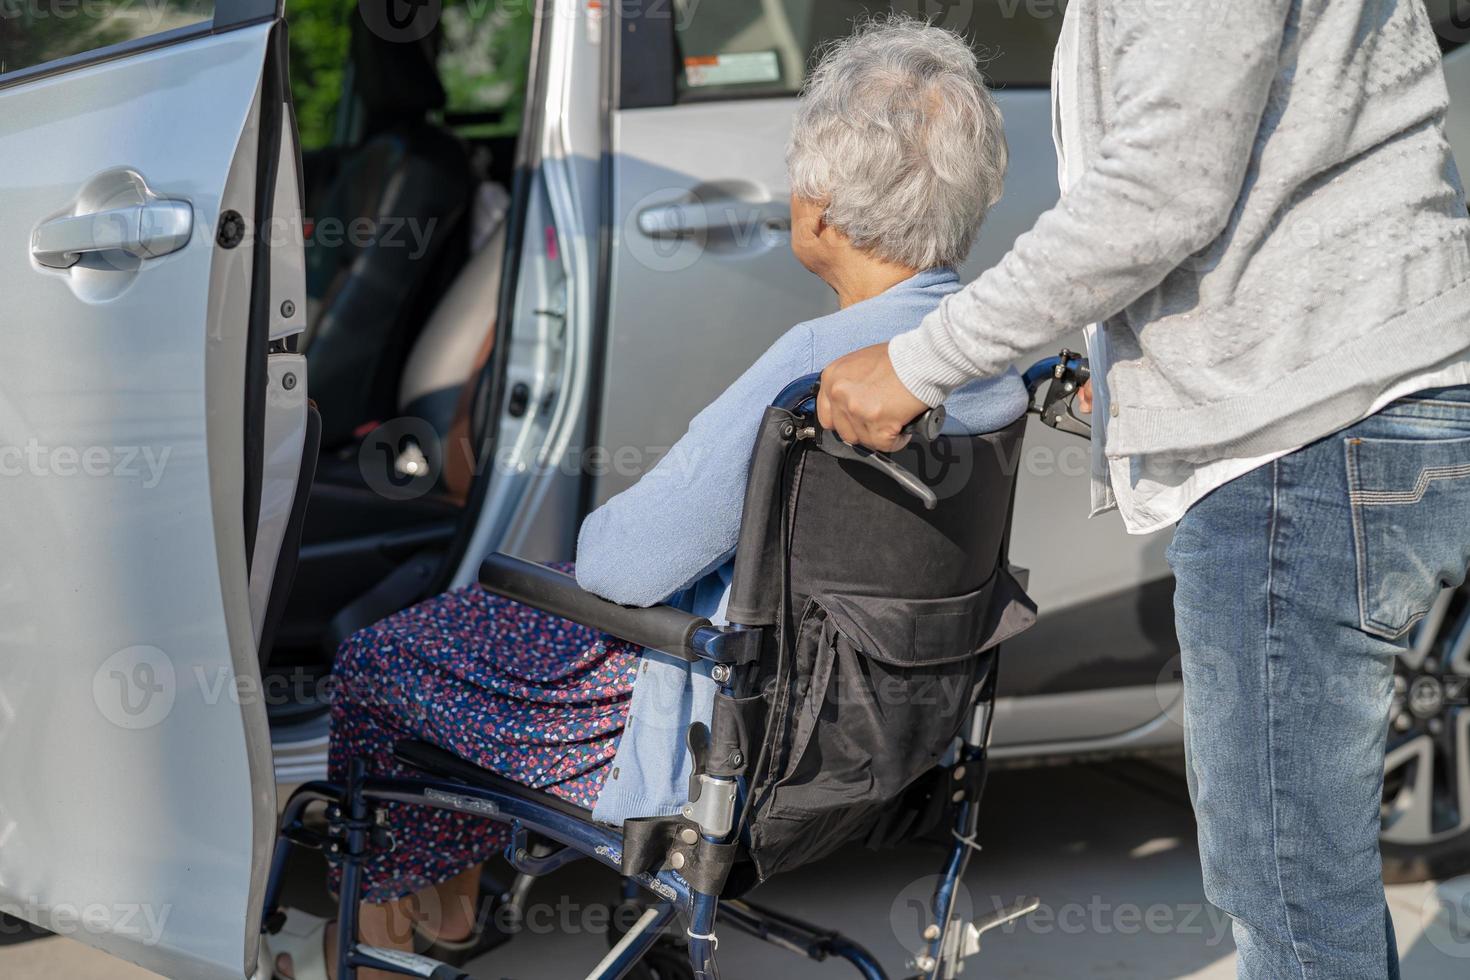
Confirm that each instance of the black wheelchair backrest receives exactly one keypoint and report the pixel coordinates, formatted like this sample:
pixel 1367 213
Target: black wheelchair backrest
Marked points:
pixel 818 524
pixel 879 619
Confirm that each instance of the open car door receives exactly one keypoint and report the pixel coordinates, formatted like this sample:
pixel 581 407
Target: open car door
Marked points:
pixel 150 402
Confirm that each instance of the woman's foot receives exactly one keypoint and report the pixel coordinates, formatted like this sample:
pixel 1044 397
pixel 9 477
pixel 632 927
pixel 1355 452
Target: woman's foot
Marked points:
pixel 456 933
pixel 447 912
pixel 285 968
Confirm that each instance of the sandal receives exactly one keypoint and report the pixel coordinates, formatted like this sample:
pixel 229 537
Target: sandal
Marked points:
pixel 302 937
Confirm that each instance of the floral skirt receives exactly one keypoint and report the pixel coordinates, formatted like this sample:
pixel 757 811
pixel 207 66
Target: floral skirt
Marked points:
pixel 525 694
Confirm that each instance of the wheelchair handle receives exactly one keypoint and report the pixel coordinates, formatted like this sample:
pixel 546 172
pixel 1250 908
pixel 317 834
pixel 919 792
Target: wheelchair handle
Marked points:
pixel 831 444
pixel 927 427
pixel 1066 366
pixel 800 398
pixel 665 628
pixel 1067 373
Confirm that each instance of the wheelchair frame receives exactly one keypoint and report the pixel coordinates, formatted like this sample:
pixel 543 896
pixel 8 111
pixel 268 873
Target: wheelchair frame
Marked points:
pixel 353 829
pixel 353 832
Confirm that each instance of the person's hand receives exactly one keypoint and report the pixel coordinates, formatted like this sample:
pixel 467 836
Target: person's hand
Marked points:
pixel 1084 398
pixel 862 400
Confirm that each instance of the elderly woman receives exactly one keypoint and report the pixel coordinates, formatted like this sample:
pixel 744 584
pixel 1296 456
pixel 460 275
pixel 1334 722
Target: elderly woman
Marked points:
pixel 896 155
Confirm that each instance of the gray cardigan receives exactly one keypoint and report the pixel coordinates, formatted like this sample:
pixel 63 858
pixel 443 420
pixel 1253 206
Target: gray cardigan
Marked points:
pixel 1270 222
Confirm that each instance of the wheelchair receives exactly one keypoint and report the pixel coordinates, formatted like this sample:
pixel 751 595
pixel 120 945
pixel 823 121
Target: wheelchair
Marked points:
pixel 862 581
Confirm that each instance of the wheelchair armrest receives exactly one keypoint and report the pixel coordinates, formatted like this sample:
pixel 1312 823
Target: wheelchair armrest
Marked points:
pixel 658 627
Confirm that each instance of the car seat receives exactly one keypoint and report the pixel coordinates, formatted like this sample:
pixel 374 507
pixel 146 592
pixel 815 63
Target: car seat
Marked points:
pixel 387 228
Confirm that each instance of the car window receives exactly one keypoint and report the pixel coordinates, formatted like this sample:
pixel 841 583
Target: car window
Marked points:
pixel 484 51
pixel 319 36
pixel 34 32
pixel 747 48
pixel 484 55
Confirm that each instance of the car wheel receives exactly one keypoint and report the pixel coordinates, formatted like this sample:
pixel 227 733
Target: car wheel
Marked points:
pixel 1426 784
pixel 13 931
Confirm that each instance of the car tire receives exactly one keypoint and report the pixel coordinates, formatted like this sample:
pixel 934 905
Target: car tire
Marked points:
pixel 1426 794
pixel 1404 864
pixel 14 931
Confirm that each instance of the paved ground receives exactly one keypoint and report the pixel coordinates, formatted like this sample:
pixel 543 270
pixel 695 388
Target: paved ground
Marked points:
pixel 1108 849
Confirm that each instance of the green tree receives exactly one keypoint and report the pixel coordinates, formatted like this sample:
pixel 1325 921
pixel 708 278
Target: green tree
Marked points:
pixel 318 56
pixel 484 57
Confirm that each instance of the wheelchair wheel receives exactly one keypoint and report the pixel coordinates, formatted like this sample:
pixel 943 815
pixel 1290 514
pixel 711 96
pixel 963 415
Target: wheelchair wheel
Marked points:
pixel 663 963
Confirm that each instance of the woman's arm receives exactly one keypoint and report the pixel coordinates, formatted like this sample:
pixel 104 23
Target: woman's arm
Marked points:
pixel 681 521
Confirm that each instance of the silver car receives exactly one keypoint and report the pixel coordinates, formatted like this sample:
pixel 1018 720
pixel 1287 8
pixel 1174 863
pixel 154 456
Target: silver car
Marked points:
pixel 299 327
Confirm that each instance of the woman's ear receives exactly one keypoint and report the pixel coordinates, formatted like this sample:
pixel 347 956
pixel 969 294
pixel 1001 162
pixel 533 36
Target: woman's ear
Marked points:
pixel 806 217
pixel 807 228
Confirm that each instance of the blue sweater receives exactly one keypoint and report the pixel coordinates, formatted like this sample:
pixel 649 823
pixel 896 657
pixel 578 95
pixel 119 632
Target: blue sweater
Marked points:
pixel 672 535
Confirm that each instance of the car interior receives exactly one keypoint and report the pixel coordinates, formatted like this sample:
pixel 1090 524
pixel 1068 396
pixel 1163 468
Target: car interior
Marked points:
pixel 405 212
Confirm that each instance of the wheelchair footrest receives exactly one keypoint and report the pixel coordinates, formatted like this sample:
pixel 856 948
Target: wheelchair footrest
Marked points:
pixel 407 964
pixel 965 940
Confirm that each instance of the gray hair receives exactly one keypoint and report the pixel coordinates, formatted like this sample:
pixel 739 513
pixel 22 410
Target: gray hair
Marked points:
pixel 897 134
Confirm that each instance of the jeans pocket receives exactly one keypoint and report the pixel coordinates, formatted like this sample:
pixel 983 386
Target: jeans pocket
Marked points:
pixel 1410 502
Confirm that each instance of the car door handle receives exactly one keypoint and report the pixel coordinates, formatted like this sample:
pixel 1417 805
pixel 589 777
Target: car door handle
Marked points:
pixel 144 231
pixel 725 217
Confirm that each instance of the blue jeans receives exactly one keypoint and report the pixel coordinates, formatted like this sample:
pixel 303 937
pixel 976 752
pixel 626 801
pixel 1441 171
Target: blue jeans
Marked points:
pixel 1297 585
